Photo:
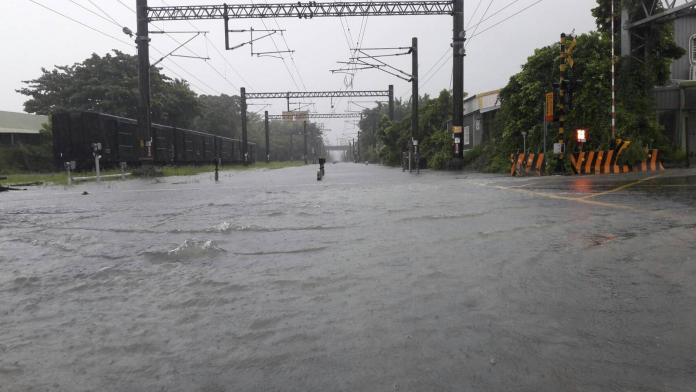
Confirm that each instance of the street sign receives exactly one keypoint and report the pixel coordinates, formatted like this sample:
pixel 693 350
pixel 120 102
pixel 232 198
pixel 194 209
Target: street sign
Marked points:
pixel 457 129
pixel 558 148
pixel 457 140
pixel 549 107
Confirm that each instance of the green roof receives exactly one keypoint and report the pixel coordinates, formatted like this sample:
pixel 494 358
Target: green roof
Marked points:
pixel 13 122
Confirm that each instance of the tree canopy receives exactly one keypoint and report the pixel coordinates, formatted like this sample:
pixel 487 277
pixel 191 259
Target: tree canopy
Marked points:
pixel 109 84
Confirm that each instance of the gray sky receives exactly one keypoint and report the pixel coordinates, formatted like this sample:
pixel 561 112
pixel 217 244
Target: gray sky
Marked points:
pixel 36 37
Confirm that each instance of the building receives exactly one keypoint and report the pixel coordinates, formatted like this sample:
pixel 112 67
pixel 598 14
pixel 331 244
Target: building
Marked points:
pixel 479 117
pixel 16 128
pixel 676 102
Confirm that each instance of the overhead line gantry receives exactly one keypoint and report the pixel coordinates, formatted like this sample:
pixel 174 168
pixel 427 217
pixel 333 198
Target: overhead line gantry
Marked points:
pixel 308 10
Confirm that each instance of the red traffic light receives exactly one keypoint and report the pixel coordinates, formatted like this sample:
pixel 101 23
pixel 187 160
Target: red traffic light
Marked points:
pixel 581 135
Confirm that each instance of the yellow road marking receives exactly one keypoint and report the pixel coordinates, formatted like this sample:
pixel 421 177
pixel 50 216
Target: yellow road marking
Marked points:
pixel 620 188
pixel 557 197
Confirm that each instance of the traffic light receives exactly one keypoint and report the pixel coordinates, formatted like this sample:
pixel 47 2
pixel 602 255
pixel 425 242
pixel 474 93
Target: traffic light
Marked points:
pixel 570 49
pixel 572 87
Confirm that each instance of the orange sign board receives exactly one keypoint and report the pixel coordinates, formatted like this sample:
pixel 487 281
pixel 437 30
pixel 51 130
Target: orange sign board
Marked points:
pixel 549 107
pixel 456 129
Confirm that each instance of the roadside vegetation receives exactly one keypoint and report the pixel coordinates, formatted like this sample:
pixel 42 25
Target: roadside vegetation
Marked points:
pixel 522 103
pixel 61 178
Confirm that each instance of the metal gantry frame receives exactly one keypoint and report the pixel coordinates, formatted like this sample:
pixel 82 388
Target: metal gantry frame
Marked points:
pixel 317 116
pixel 301 10
pixel 145 14
pixel 307 94
pixel 654 11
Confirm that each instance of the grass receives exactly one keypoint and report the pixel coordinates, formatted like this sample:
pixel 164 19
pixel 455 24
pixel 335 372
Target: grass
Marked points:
pixel 60 178
pixel 193 170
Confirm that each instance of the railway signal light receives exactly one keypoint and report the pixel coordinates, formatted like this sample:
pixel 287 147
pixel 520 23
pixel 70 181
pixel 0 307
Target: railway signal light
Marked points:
pixel 581 135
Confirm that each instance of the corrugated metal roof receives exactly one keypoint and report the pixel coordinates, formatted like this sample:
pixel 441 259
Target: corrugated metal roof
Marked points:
pixel 14 122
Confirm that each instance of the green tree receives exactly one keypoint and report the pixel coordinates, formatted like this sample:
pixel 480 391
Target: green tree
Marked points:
pixel 220 115
pixel 109 84
pixel 638 74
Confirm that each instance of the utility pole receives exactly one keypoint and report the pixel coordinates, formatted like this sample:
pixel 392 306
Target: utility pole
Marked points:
pixel 245 147
pixel 561 107
pixel 143 42
pixel 291 147
pixel 359 159
pixel 613 74
pixel 391 102
pixel 268 141
pixel 353 152
pixel 304 135
pixel 458 38
pixel 414 88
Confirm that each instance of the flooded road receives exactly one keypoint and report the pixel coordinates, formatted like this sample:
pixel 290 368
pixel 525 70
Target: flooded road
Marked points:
pixel 371 280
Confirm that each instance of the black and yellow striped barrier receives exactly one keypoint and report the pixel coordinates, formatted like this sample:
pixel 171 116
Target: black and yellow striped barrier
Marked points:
pixel 529 164
pixel 588 162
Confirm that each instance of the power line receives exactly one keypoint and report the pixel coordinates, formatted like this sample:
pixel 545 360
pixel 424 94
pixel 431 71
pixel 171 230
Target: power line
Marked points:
pixel 110 36
pixel 447 51
pixel 226 61
pixel 476 34
pixel 196 54
pixel 92 12
pixel 475 11
pixel 281 56
pixel 479 23
pixel 508 18
pixel 125 5
pixel 105 13
pixel 495 13
pixel 82 24
pixel 190 51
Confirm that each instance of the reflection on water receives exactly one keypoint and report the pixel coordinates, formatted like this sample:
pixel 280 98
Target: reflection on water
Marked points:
pixel 372 280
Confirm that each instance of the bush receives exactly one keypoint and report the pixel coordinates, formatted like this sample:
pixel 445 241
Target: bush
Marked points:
pixel 439 160
pixel 674 157
pixel 633 154
pixel 26 158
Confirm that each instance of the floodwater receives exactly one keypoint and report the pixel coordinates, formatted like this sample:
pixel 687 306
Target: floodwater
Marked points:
pixel 371 280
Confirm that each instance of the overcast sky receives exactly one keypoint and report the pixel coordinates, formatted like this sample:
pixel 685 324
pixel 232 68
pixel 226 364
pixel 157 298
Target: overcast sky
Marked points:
pixel 35 37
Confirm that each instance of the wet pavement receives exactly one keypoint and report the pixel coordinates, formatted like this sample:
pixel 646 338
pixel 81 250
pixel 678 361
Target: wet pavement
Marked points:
pixel 371 280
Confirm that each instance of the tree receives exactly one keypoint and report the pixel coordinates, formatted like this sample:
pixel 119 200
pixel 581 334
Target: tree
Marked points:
pixel 636 76
pixel 220 115
pixel 386 140
pixel 109 84
pixel 522 99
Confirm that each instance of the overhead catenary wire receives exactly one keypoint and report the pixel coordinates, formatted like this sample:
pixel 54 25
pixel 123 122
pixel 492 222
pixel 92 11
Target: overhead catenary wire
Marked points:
pixel 478 33
pixel 494 14
pixel 490 3
pixel 196 54
pixel 82 24
pixel 105 13
pixel 209 88
pixel 474 13
pixel 506 19
pixel 95 13
pixel 126 5
pixel 129 44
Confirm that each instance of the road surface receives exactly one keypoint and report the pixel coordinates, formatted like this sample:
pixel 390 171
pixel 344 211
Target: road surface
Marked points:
pixel 371 280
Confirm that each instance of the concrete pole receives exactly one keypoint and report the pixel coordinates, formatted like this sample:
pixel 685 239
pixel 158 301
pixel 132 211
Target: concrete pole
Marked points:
pixel 414 88
pixel 268 140
pixel 245 146
pixel 143 42
pixel 391 102
pixel 304 135
pixel 458 38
